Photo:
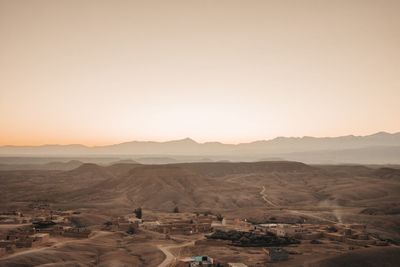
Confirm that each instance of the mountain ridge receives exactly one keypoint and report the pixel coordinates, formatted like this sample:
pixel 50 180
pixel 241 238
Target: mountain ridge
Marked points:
pixel 190 140
pixel 381 143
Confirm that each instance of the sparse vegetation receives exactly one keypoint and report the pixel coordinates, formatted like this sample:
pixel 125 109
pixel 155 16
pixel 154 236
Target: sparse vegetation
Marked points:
pixel 43 224
pixel 220 194
pixel 132 230
pixel 138 213
pixel 250 239
pixel 332 229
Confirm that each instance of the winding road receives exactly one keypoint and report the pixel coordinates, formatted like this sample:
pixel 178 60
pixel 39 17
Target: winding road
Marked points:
pixel 57 244
pixel 265 197
pixel 169 257
pixel 297 212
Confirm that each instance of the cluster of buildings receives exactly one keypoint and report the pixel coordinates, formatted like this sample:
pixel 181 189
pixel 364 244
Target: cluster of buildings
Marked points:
pixel 20 231
pixel 273 254
pixel 354 234
pixel 13 217
pixel 298 231
pixel 58 223
pixel 36 229
pixel 207 261
pixel 21 237
pixel 351 234
pixel 237 224
pixel 77 232
pixel 178 226
pixel 127 224
pixel 195 261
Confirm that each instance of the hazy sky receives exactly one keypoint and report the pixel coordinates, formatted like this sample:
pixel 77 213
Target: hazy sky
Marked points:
pixel 101 72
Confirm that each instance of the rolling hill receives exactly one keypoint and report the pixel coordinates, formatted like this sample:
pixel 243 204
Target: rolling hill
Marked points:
pixel 251 189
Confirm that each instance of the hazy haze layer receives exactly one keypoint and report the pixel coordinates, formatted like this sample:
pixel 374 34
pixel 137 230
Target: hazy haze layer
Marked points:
pixel 379 148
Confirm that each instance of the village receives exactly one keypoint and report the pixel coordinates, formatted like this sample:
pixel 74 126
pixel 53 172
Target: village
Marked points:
pixel 19 231
pixel 43 226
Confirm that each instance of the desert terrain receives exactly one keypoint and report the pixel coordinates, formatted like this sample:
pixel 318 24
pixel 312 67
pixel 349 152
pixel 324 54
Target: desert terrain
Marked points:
pixel 243 195
pixel 199 133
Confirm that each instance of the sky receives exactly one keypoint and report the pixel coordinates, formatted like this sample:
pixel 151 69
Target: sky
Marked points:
pixel 104 72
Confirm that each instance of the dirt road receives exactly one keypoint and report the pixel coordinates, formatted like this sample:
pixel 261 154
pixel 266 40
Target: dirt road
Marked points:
pixel 166 249
pixel 265 197
pixel 96 234
pixel 297 212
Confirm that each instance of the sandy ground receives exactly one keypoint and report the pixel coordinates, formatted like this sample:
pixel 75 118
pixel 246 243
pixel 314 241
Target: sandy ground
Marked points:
pixel 259 191
pixel 102 249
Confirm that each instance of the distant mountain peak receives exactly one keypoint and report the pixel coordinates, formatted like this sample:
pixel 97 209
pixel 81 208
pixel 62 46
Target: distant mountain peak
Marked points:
pixel 186 140
pixel 382 133
pixel 307 148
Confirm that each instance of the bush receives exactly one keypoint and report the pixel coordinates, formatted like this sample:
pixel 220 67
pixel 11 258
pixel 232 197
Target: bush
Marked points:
pixel 132 230
pixel 138 213
pixel 250 239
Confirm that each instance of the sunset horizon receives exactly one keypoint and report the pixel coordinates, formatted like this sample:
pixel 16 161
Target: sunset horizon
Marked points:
pixel 183 133
pixel 73 72
pixel 193 139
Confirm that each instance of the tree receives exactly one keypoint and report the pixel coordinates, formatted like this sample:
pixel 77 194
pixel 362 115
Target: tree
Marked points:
pixel 138 213
pixel 176 210
pixel 131 230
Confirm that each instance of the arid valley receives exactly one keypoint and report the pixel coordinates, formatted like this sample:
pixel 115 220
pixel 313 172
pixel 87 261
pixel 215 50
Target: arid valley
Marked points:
pixel 199 133
pixel 319 215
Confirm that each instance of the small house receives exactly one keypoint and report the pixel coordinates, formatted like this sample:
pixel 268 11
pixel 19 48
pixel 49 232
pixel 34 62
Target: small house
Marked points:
pixel 195 261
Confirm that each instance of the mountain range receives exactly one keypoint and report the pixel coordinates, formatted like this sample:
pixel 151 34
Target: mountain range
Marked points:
pixel 378 148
